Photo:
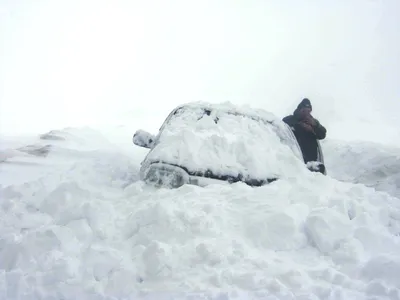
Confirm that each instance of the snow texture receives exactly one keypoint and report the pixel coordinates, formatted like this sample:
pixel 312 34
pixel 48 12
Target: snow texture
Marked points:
pixel 76 223
pixel 372 164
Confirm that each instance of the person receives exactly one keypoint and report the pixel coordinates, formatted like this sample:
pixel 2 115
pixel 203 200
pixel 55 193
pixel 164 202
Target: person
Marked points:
pixel 307 130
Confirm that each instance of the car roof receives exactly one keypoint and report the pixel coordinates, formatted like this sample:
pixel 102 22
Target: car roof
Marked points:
pixel 228 107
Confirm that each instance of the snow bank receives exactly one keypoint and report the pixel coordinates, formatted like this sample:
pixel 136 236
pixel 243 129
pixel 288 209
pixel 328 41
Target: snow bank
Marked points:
pixel 84 228
pixel 372 164
pixel 59 152
pixel 257 147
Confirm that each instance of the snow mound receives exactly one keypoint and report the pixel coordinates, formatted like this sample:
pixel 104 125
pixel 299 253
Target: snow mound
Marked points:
pixel 68 149
pixel 374 165
pixel 86 228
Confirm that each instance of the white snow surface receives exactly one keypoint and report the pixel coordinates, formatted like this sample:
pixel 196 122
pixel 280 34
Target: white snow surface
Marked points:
pixel 76 223
pixel 372 164
pixel 226 143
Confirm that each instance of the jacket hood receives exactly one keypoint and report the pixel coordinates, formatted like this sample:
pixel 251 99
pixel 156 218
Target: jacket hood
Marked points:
pixel 304 103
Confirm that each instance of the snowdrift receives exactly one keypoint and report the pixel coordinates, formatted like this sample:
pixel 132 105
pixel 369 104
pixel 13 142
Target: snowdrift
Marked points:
pixel 77 224
pixel 371 164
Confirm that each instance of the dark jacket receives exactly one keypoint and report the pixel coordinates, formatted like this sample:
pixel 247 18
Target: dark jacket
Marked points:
pixel 307 140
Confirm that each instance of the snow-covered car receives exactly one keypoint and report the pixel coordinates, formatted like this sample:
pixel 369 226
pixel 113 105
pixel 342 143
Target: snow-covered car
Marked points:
pixel 201 143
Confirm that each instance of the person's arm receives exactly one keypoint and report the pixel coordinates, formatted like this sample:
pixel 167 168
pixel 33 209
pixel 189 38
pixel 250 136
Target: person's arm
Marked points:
pixel 320 131
pixel 289 120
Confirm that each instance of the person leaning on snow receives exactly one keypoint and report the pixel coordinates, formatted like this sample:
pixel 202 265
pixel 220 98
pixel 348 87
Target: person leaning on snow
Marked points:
pixel 307 130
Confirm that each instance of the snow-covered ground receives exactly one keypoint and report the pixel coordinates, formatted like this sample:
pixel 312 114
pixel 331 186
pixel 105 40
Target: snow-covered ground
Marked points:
pixel 369 163
pixel 76 223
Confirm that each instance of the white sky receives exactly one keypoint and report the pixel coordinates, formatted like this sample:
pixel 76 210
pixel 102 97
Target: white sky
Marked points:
pixel 69 63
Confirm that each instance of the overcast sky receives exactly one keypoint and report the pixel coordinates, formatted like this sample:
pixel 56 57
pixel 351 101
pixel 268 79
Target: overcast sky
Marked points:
pixel 68 63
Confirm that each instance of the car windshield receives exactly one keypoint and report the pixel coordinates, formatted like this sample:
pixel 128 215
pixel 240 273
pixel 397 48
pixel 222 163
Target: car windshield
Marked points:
pixel 227 142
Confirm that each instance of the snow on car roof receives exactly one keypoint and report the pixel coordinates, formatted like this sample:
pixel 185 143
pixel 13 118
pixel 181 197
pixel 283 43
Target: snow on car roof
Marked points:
pixel 232 108
pixel 225 143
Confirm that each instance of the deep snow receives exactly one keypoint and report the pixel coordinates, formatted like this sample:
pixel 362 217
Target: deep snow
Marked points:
pixel 369 163
pixel 77 224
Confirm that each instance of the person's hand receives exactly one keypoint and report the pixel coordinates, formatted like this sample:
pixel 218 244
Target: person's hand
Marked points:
pixel 310 120
pixel 307 126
